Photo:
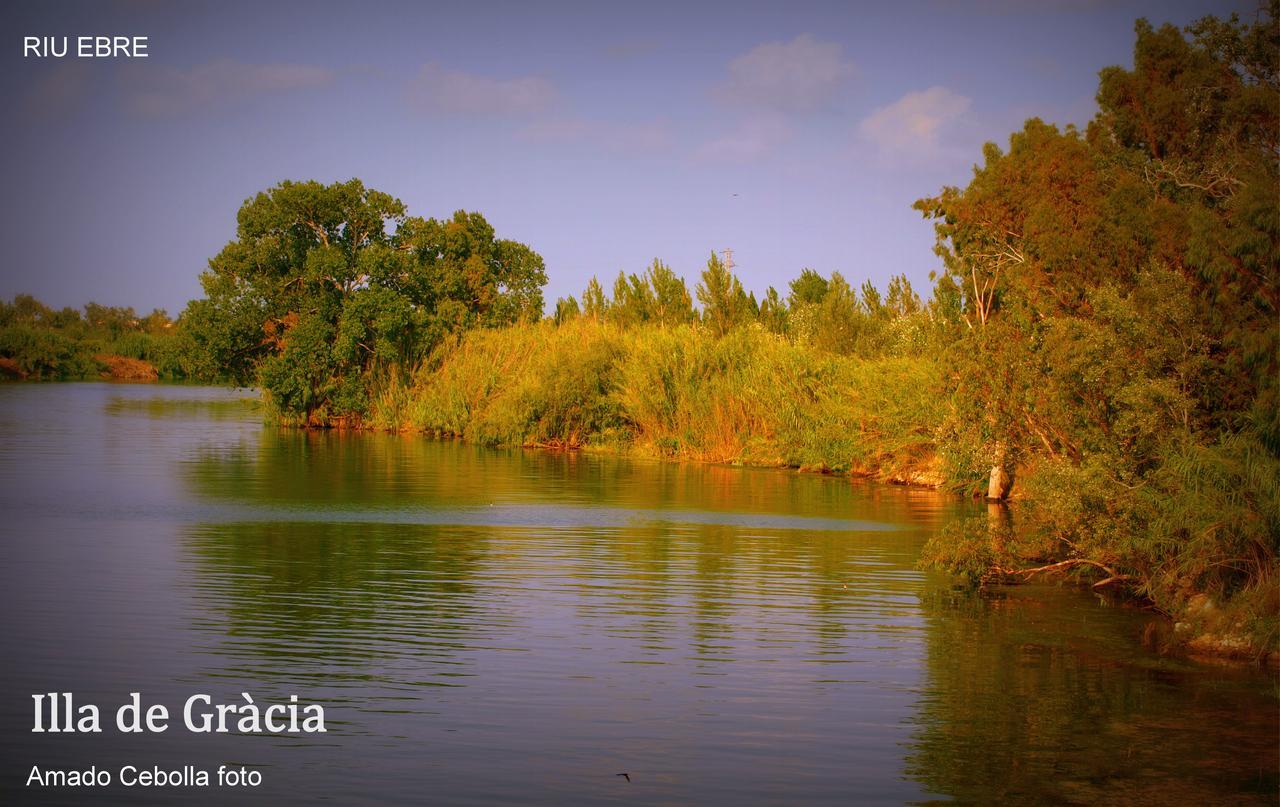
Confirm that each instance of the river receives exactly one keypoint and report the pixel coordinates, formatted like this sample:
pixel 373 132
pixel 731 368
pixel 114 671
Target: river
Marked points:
pixel 515 626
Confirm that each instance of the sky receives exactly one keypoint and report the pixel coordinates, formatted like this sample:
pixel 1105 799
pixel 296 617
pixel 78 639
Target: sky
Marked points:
pixel 601 134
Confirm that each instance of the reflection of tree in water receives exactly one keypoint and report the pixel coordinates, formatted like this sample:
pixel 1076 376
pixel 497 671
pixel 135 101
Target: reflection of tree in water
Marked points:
pixel 1031 698
pixel 737 594
pixel 723 575
pixel 281 582
pixel 323 599
pixel 362 469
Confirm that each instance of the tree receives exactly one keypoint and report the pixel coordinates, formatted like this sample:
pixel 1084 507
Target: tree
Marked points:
pixel 1120 292
pixel 809 288
pixel 901 300
pixel 1026 240
pixel 594 302
pixel 496 281
pixel 566 309
pixel 872 302
pixel 633 300
pixel 111 319
pixel 773 312
pixel 157 322
pixel 672 303
pixel 724 303
pixel 326 285
pixel 839 321
pixel 1199 118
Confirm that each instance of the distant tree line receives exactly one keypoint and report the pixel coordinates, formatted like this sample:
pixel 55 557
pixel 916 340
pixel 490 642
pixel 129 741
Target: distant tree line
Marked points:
pixel 823 312
pixel 41 343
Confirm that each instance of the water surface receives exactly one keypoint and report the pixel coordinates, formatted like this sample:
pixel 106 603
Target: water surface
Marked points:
pixel 506 626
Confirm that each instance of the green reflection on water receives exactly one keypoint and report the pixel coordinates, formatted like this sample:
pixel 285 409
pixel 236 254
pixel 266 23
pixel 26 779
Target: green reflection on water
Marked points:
pixel 372 470
pixel 185 408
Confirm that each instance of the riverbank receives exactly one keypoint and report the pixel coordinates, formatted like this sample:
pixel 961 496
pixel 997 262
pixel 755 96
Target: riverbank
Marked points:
pixel 39 343
pixel 755 398
pixel 105 366
pixel 749 398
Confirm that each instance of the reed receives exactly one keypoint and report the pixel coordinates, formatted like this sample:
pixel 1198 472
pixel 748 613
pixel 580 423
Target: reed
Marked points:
pixel 750 397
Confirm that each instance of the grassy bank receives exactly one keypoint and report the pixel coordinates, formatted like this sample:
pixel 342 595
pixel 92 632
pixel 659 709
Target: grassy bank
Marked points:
pixel 751 397
pixel 1193 531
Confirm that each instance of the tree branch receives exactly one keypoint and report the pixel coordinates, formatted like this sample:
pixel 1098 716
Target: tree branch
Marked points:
pixel 1113 577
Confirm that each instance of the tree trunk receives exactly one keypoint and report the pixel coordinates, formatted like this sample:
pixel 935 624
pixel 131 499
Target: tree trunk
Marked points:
pixel 1000 482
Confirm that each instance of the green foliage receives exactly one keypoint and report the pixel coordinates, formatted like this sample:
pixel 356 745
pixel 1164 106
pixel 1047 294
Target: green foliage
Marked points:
pixel 659 295
pixel 633 300
pixel 566 309
pixel 839 322
pixel 967 548
pixel 329 288
pixel 595 305
pixel 829 315
pixel 902 300
pixel 809 288
pixel 748 396
pixel 226 338
pixel 46 345
pixel 299 380
pixel 724 303
pixel 1215 509
pixel 533 384
pixel 672 303
pixel 1199 98
pixel 45 354
pixel 774 315
pixel 1119 294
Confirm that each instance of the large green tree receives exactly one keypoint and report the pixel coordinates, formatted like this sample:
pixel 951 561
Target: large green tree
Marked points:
pixel 328 285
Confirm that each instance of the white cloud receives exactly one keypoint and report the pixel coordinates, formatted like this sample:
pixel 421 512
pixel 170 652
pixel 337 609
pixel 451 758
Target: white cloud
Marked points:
pixel 157 90
pixel 754 138
pixel 913 125
pixel 797 76
pixel 436 90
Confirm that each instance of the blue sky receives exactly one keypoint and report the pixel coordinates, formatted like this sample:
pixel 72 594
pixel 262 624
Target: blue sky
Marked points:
pixel 601 134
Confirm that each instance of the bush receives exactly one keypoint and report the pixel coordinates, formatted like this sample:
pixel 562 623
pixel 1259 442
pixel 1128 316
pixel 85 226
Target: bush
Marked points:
pixel 749 397
pixel 524 385
pixel 44 354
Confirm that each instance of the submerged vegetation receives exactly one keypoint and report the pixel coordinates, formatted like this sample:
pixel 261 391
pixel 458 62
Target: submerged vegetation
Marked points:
pixel 1102 343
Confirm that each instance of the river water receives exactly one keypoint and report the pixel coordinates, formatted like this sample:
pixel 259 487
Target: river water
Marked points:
pixel 504 626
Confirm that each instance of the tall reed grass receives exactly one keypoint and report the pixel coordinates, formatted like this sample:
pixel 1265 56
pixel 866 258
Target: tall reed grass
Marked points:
pixel 750 397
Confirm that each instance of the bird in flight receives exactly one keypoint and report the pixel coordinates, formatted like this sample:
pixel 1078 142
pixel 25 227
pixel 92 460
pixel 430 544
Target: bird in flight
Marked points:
pixel 627 776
